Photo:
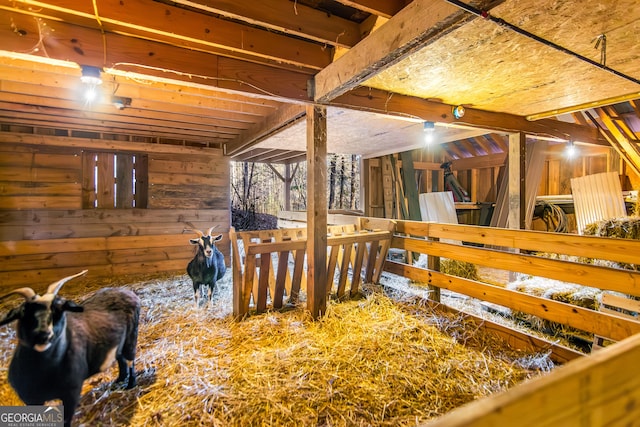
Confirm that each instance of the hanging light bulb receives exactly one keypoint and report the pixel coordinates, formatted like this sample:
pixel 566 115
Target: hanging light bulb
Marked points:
pixel 570 151
pixel 91 80
pixel 429 129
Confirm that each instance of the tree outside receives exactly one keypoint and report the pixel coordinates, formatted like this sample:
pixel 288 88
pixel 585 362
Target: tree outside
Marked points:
pixel 260 187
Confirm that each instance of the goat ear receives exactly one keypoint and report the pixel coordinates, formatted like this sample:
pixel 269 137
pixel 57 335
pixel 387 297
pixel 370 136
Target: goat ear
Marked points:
pixel 71 306
pixel 194 241
pixel 217 238
pixel 62 304
pixel 13 314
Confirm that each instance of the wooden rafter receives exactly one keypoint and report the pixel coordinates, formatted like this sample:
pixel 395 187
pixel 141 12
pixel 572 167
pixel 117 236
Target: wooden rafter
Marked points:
pixel 285 17
pixel 174 26
pixel 620 137
pixel 369 99
pixel 410 29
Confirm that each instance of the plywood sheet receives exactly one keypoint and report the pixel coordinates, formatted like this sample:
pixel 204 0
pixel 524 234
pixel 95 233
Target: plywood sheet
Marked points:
pixel 491 67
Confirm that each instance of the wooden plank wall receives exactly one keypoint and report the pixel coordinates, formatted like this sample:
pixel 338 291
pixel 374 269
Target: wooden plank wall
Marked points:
pixel 40 177
pixel 45 233
pixel 558 170
pixel 481 175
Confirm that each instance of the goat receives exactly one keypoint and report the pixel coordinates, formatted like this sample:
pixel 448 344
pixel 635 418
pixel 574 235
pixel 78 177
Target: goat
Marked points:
pixel 207 266
pixel 57 350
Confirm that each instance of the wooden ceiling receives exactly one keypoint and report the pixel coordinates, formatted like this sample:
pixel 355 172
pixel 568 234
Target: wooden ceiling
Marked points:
pixel 238 75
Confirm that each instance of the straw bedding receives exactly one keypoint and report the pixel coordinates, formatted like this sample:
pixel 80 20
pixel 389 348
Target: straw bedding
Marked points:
pixel 382 360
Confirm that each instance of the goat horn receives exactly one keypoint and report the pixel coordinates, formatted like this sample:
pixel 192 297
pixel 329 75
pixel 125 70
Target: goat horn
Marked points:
pixel 198 232
pixel 211 230
pixel 26 293
pixel 55 287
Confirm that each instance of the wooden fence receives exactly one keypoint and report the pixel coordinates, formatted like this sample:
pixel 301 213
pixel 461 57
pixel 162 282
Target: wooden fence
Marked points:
pixel 596 390
pixel 269 265
pixel 515 250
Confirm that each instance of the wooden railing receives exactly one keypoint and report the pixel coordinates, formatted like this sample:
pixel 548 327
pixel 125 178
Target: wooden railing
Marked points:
pixel 514 250
pixel 598 389
pixel 269 265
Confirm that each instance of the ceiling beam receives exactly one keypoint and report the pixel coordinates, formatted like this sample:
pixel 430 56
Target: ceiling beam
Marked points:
pixel 44 116
pixel 286 17
pixel 138 111
pixel 411 29
pixel 180 103
pixel 384 8
pixel 480 162
pixel 417 108
pixel 284 117
pixel 484 144
pixel 85 46
pixel 98 144
pixel 151 20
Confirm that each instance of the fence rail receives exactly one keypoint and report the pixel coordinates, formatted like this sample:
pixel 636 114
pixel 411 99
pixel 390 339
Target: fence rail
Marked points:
pixel 270 265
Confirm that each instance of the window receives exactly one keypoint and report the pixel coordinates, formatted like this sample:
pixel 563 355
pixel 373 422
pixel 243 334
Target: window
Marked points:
pixel 114 180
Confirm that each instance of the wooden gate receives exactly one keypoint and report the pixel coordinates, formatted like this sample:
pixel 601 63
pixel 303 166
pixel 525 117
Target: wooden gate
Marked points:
pixel 269 266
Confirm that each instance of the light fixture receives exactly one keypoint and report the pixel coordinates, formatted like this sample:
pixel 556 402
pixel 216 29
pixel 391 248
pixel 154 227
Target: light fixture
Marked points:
pixel 458 111
pixel 90 75
pixel 120 102
pixel 429 129
pixel 90 79
pixel 570 150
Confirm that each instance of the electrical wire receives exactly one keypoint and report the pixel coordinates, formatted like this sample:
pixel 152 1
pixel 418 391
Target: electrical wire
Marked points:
pixel 191 75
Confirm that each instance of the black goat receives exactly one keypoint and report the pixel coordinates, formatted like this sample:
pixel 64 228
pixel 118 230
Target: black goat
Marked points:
pixel 207 266
pixel 57 351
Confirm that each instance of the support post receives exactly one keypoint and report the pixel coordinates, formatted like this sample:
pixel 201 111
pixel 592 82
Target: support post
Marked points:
pixel 316 210
pixel 517 171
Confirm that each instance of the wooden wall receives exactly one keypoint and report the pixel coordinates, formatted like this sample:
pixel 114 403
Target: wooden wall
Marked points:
pixel 48 231
pixel 481 175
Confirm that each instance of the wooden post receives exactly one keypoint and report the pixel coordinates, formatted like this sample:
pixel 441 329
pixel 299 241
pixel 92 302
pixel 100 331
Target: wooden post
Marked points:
pixel 316 210
pixel 517 158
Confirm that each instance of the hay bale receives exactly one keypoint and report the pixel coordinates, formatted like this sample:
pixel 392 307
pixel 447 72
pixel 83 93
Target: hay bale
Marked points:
pixel 571 293
pixel 622 228
pixel 454 267
pixel 377 361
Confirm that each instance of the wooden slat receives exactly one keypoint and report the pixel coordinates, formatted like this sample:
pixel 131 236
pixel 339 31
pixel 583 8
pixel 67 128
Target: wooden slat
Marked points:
pixel 583 274
pixel 567 314
pixel 332 259
pixel 618 306
pixel 371 260
pixel 622 250
pixel 344 268
pixel 298 274
pixel 281 279
pixel 597 390
pixel 263 282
